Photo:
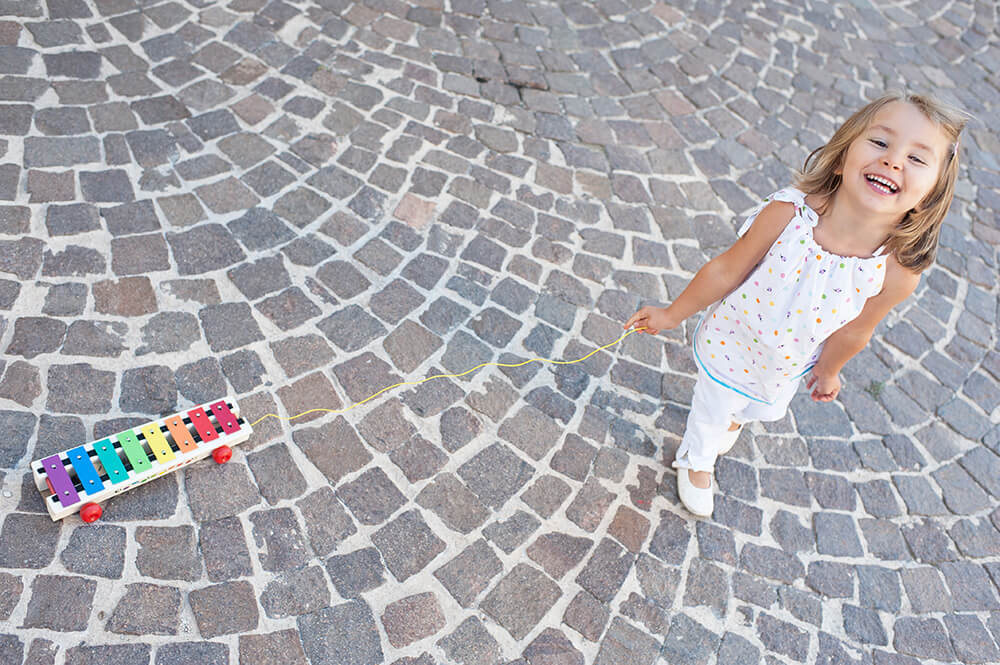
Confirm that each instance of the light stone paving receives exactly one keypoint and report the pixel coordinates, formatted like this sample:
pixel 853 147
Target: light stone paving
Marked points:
pixel 297 204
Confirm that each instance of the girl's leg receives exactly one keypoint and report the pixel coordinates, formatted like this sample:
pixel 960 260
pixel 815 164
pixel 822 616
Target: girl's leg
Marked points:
pixel 706 433
pixel 708 427
pixel 713 425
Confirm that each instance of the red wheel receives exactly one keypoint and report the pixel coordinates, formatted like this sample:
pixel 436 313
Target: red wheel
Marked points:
pixel 222 454
pixel 91 512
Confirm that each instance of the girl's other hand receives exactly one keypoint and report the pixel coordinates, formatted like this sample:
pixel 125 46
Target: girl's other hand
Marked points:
pixel 653 319
pixel 825 388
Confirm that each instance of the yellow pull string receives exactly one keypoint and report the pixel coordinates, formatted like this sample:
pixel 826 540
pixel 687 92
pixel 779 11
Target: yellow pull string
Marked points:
pixel 445 376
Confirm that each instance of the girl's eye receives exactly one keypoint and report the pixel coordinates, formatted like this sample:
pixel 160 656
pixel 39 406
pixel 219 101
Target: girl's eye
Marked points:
pixel 879 142
pixel 917 159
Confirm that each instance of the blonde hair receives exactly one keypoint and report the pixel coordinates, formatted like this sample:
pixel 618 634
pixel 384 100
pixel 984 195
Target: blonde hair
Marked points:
pixel 914 240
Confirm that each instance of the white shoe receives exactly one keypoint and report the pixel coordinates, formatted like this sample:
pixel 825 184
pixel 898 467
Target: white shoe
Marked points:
pixel 698 500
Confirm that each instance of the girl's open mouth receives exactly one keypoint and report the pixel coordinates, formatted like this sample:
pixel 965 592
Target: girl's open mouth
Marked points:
pixel 881 185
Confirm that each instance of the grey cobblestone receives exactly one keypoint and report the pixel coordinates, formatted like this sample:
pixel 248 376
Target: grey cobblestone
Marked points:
pixel 146 609
pixel 167 553
pixel 509 534
pixel 470 643
pixel 925 590
pixel 884 539
pixel 296 592
pixel 520 598
pixel 831 579
pixel 923 638
pixel 27 542
pixel 355 572
pixel 223 546
pixel 928 542
pixel 60 603
pixel 960 494
pixel 224 609
pixel 971 641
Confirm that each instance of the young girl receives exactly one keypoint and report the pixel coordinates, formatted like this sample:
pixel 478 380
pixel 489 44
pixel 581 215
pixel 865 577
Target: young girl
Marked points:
pixel 814 270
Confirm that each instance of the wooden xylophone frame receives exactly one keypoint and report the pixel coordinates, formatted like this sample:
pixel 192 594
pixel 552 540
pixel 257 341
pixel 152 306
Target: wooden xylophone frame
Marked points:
pixel 107 467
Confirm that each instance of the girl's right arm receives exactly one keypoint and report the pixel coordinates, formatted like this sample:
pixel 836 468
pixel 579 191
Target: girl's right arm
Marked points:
pixel 721 275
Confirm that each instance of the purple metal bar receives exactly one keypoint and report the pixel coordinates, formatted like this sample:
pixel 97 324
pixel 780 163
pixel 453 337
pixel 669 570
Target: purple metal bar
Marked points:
pixel 63 486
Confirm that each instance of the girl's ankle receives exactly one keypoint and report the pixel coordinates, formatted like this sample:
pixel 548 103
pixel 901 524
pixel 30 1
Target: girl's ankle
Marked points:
pixel 700 479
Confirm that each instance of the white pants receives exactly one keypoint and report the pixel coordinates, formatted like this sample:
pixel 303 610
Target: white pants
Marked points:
pixel 714 407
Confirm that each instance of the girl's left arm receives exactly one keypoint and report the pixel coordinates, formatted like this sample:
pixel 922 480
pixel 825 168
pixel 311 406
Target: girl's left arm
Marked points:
pixel 842 345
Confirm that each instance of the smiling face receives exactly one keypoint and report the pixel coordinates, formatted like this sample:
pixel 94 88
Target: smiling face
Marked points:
pixel 895 162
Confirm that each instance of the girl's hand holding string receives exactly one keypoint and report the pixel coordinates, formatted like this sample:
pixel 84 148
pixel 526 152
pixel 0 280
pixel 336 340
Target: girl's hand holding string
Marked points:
pixel 653 320
pixel 825 388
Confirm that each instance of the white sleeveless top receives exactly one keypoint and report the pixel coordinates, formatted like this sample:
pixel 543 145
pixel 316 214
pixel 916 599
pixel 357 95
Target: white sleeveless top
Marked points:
pixel 770 330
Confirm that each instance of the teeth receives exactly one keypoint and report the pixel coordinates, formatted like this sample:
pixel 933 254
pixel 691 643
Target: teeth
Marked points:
pixel 886 184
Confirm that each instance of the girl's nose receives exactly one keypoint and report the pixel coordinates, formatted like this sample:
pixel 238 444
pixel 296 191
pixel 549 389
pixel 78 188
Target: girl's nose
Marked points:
pixel 892 163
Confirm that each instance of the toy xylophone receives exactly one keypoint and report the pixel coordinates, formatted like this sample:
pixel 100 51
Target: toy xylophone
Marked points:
pixel 80 478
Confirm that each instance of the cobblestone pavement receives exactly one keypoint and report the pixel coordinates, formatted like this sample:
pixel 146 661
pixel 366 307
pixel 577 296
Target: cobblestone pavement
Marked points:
pixel 299 203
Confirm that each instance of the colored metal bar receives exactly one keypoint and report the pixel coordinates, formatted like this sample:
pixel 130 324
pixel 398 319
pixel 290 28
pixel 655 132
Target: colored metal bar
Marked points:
pixel 85 471
pixel 133 450
pixel 181 434
pixel 225 417
pixel 157 442
pixel 61 483
pixel 108 456
pixel 202 425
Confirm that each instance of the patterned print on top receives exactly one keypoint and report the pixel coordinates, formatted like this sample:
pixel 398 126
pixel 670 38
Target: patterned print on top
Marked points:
pixel 770 330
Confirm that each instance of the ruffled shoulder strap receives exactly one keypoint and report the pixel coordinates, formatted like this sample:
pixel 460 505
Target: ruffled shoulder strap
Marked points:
pixel 789 195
